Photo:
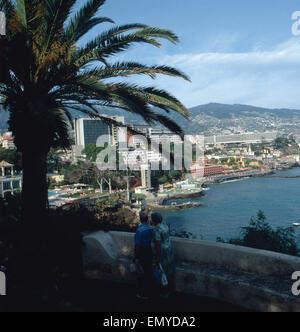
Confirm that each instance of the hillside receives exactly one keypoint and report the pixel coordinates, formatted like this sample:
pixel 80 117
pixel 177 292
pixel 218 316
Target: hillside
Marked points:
pixel 216 119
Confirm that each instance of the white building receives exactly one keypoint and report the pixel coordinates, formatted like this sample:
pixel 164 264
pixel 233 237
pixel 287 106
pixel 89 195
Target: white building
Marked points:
pixel 8 182
pixel 162 135
pixel 146 175
pixel 247 138
pixel 10 185
pixel 7 141
pixel 139 157
pixel 141 190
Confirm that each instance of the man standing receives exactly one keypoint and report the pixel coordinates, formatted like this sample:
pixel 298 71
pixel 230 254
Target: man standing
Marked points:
pixel 143 257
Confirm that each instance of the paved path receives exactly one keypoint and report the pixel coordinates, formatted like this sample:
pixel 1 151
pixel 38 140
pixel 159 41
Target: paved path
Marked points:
pixel 98 296
pixel 109 297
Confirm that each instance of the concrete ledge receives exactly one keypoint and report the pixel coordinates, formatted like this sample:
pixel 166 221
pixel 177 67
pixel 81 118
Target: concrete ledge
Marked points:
pixel 255 279
pixel 222 255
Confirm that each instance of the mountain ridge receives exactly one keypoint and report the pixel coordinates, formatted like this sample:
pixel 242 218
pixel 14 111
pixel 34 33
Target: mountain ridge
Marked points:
pixel 217 118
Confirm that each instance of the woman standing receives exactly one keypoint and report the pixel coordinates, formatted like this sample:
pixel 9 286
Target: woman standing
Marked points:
pixel 163 250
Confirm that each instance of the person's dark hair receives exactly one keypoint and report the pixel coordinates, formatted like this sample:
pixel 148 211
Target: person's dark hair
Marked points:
pixel 144 217
pixel 156 218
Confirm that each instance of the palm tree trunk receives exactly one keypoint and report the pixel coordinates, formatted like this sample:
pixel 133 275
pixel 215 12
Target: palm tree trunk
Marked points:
pixel 35 188
pixel 32 264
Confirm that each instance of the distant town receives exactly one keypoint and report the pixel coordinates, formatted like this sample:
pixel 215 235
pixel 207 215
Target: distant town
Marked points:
pixel 73 174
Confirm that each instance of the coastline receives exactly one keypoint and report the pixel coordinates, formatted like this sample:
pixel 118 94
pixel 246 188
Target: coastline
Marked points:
pixel 174 207
pixel 219 179
pixel 228 207
pixel 167 197
pixel 164 198
pixel 159 205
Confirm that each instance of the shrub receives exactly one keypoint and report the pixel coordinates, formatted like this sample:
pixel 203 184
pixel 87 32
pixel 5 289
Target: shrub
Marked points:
pixel 260 235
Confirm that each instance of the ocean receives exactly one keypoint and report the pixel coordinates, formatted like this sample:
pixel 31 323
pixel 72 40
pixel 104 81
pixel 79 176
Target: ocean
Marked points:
pixel 229 206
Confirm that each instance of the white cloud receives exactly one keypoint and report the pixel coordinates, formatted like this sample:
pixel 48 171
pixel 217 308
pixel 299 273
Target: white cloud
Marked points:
pixel 264 78
pixel 288 52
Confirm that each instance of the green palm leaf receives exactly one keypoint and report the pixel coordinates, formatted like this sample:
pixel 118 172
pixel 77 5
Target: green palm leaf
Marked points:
pixel 84 20
pixel 125 69
pixel 54 74
pixel 21 10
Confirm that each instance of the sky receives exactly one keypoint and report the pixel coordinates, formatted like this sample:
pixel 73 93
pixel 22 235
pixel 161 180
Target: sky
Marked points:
pixel 235 52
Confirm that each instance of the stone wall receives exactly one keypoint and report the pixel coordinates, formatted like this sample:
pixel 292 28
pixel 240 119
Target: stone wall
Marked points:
pixel 256 279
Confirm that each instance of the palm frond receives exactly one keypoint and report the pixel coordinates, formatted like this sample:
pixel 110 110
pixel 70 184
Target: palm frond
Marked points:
pixel 125 69
pixel 159 33
pixel 79 29
pixel 21 10
pixel 102 49
pixel 114 41
pixel 84 20
pixel 55 13
pixel 170 124
pixel 54 75
pixel 157 97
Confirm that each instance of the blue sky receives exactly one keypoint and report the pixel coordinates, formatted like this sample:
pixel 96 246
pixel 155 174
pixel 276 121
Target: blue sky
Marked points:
pixel 234 51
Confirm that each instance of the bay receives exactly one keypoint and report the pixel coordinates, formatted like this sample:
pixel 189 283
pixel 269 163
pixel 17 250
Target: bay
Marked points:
pixel 229 206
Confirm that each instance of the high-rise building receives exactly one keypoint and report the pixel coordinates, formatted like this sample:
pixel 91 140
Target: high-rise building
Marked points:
pixel 88 130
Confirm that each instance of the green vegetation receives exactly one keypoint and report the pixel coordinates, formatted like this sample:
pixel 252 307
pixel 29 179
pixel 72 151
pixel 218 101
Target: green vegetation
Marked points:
pixel 260 235
pixel 164 177
pixel 213 151
pixel 53 78
pixel 175 175
pixel 231 162
pixel 139 197
pixel 45 75
pixel 86 172
pixel 13 157
pixel 91 151
pixel 62 240
pixel 283 142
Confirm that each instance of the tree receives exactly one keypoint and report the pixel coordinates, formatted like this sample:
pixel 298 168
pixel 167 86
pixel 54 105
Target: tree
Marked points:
pixel 45 76
pixel 11 156
pixel 52 161
pixel 163 180
pixel 75 173
pixel 55 76
pixel 260 235
pixel 281 143
pixel 91 151
pixel 176 175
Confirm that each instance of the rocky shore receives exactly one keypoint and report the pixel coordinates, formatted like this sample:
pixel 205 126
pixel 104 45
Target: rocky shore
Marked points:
pixel 158 207
pixel 159 204
pixel 166 197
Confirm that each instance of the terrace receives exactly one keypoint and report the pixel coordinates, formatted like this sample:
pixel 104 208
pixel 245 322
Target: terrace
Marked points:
pixel 252 279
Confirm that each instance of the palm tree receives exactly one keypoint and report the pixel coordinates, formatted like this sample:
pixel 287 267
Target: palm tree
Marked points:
pixel 45 76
